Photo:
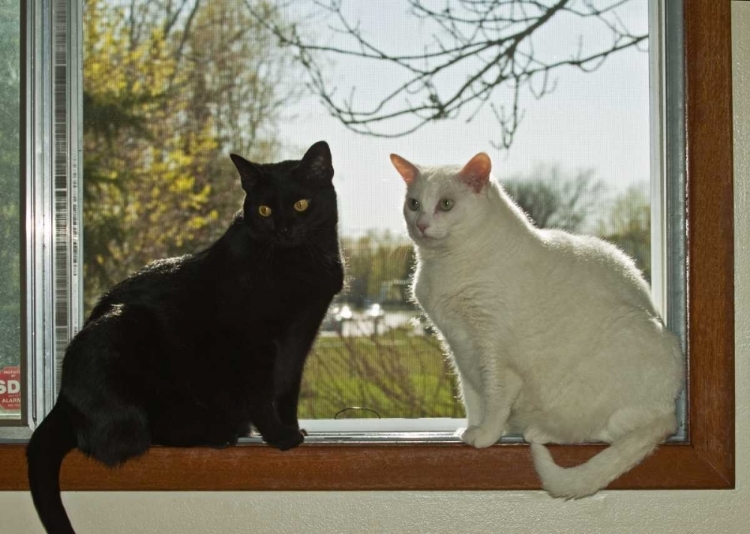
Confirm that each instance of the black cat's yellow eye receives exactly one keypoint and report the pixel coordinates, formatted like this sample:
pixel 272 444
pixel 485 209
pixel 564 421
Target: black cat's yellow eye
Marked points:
pixel 413 204
pixel 264 211
pixel 301 205
pixel 446 204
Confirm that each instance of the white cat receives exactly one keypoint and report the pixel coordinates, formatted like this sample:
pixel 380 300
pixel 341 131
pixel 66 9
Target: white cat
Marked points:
pixel 554 336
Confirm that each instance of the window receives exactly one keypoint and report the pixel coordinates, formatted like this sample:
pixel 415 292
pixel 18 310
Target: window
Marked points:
pixel 704 460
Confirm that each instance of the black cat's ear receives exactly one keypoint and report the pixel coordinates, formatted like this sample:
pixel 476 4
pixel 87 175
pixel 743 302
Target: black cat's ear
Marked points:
pixel 316 163
pixel 249 173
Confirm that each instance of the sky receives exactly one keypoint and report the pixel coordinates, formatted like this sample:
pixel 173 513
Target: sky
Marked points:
pixel 596 120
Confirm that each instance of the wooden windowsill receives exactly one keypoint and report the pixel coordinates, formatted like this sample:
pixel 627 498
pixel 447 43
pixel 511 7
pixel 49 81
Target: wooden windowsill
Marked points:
pixel 357 467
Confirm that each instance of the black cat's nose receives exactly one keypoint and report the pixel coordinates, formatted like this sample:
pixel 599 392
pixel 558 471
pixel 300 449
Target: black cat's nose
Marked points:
pixel 284 232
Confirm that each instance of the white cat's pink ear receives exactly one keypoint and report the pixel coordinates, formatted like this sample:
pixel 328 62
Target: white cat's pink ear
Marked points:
pixel 476 173
pixel 406 169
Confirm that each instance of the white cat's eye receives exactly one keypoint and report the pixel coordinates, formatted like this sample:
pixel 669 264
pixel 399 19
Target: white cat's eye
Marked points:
pixel 446 204
pixel 413 204
pixel 264 211
pixel 301 205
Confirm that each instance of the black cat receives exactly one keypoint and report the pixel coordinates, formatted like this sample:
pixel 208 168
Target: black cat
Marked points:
pixel 245 312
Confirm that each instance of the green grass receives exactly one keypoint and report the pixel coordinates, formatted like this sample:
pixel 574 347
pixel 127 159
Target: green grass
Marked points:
pixel 396 374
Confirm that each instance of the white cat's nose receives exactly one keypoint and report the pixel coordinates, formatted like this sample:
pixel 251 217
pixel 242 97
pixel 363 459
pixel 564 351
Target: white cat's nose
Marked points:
pixel 422 227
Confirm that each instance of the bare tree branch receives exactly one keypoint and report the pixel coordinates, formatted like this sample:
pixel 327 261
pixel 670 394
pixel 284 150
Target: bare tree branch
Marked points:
pixel 486 44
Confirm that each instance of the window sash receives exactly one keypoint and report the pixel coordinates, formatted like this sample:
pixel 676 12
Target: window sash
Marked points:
pixel 667 131
pixel 52 197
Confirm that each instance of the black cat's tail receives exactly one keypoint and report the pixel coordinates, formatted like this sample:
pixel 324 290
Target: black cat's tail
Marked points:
pixel 52 440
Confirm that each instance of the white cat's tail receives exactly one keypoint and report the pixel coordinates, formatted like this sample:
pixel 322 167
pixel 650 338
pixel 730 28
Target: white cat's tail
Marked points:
pixel 621 456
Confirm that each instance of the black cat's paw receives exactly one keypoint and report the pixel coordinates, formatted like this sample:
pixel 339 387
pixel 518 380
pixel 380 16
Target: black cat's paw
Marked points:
pixel 224 444
pixel 221 438
pixel 285 438
pixel 295 424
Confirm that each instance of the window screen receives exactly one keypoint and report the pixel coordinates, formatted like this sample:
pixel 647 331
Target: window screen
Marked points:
pixel 560 101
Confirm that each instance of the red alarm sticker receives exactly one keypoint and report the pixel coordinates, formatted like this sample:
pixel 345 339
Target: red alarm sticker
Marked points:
pixel 10 388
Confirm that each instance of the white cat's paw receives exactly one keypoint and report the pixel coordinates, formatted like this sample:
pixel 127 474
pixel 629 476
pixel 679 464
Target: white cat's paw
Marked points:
pixel 480 437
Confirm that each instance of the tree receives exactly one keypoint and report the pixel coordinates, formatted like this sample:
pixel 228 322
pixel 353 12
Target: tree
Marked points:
pixel 552 200
pixel 628 225
pixel 483 52
pixel 372 261
pixel 580 204
pixel 169 88
pixel 238 80
pixel 140 200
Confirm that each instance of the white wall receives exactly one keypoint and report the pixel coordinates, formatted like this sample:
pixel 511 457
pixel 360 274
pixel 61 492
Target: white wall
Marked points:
pixel 461 512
